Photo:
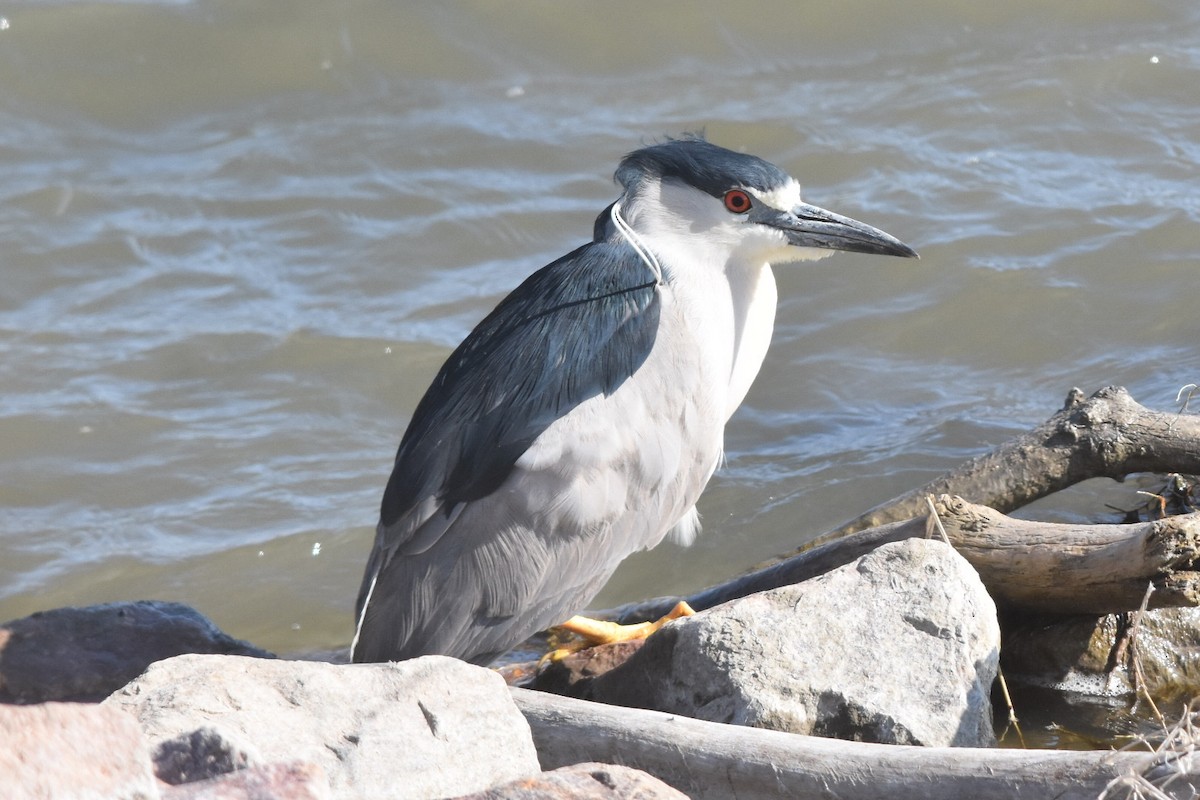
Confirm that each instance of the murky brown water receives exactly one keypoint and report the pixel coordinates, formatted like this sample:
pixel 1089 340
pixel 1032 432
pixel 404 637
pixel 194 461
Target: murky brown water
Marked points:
pixel 239 238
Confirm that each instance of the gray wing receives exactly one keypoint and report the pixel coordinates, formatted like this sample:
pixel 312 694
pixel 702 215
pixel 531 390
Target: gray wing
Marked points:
pixel 455 568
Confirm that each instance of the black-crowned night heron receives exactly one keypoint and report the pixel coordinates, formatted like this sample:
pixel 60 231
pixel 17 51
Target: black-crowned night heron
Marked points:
pixel 580 421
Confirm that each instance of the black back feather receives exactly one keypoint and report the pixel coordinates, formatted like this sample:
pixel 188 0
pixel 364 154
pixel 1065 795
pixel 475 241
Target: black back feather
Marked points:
pixel 577 328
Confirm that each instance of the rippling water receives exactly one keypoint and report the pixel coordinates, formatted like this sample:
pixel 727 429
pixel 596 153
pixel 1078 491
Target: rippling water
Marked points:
pixel 239 238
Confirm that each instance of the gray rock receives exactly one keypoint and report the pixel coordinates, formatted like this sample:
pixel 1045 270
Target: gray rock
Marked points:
pixel 587 781
pixel 297 780
pixel 86 654
pixel 430 727
pixel 202 754
pixel 69 751
pixel 900 646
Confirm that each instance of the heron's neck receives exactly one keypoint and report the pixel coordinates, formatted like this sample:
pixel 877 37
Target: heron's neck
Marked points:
pixel 729 301
pixel 725 295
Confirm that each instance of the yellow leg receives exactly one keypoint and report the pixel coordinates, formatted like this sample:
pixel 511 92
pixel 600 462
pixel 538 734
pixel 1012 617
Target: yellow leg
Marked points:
pixel 592 632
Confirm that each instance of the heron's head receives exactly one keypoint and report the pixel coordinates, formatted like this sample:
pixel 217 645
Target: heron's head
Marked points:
pixel 719 199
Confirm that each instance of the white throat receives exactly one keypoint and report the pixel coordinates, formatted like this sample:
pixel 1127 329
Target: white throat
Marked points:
pixel 717 273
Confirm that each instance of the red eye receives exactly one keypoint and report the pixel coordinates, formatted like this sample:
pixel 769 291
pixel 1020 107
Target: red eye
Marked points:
pixel 737 201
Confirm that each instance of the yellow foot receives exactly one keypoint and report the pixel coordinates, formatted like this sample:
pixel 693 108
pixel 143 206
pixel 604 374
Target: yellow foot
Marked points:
pixel 593 632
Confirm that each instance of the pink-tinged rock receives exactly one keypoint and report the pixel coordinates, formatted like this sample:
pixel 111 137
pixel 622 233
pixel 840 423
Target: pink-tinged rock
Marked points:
pixel 67 751
pixel 587 781
pixel 296 780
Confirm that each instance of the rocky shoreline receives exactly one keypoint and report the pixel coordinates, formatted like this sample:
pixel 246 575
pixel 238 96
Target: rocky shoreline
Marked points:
pixel 871 679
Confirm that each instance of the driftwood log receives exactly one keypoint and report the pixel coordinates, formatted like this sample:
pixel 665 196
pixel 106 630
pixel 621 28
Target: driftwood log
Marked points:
pixel 1028 566
pixel 711 760
pixel 1108 435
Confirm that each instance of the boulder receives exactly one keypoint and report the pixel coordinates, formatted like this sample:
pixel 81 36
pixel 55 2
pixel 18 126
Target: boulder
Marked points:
pixel 86 654
pixel 587 781
pixel 70 751
pixel 900 647
pixel 430 727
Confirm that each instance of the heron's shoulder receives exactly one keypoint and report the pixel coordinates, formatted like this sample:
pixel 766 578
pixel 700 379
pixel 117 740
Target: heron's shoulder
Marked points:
pixel 582 295
pixel 599 265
